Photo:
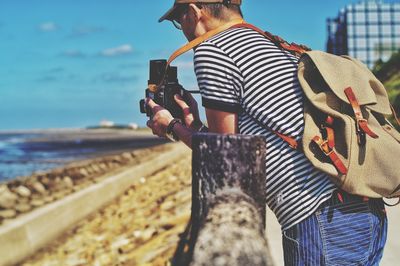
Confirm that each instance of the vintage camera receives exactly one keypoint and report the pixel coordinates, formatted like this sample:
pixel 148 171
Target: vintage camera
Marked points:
pixel 162 86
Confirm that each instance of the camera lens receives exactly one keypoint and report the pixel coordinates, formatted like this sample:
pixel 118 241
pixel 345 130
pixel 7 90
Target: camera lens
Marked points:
pixel 157 69
pixel 142 106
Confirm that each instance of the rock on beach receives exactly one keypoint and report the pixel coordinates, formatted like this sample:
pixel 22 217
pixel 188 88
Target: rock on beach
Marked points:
pixel 8 199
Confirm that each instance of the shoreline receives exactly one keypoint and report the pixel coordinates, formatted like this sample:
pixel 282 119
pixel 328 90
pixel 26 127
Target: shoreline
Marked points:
pixel 21 238
pixel 26 193
pixel 27 152
pixel 68 129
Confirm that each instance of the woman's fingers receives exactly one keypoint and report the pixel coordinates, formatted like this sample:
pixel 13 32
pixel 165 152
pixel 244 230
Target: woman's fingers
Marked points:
pixel 179 100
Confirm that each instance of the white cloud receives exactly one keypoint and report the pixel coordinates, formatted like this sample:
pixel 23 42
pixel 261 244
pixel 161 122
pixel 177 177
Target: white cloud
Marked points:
pixel 48 26
pixel 120 50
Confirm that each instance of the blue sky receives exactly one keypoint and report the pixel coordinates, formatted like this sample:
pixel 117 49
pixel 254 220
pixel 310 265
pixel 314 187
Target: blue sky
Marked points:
pixel 70 63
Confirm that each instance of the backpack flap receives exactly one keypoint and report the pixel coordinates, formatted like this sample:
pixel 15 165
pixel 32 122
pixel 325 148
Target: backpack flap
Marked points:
pixel 341 72
pixel 331 139
pixel 382 100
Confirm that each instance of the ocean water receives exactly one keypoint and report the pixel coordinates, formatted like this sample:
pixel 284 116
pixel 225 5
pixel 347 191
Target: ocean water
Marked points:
pixel 23 154
pixel 19 157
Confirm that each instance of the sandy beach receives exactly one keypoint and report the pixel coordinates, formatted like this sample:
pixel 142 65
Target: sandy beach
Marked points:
pixel 141 227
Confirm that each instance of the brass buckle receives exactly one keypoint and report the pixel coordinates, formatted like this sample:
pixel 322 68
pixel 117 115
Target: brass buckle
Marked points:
pixel 358 124
pixel 325 148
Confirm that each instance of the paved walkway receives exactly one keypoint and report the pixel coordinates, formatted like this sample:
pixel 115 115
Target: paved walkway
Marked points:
pixel 391 255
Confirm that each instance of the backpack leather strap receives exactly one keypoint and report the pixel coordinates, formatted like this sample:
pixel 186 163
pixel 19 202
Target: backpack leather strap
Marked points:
pixel 361 122
pixel 330 134
pixel 327 146
pixel 395 115
pixel 328 151
pixel 291 141
pixel 294 48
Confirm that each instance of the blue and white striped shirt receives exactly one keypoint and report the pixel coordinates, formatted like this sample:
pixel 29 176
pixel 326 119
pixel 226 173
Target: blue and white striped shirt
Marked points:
pixel 241 71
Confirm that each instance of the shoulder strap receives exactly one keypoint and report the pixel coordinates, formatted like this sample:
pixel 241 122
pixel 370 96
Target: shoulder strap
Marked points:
pixel 295 49
pixel 395 115
pixel 190 45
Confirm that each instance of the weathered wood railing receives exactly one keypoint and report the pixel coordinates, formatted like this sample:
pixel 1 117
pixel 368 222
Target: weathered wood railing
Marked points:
pixel 228 203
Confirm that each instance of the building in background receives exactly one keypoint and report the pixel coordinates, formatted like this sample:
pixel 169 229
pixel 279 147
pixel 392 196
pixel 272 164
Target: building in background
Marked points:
pixel 368 31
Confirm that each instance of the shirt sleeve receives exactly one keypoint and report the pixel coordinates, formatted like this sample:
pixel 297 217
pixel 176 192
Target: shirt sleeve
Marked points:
pixel 219 79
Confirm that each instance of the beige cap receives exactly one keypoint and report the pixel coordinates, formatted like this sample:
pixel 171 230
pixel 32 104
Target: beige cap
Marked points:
pixel 172 10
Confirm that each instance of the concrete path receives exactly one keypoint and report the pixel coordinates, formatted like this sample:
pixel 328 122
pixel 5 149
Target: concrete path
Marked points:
pixel 391 255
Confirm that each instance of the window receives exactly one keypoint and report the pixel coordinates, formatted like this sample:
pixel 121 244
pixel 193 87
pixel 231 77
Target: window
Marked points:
pixel 397 29
pixel 360 17
pixel 373 17
pixel 350 30
pixel 359 8
pixel 385 7
pixel 360 30
pixel 386 17
pixel 349 17
pixel 374 42
pixel 372 55
pixel 386 30
pixel 397 16
pixel 397 44
pixel 361 43
pixel 397 41
pixel 362 55
pixel 373 30
pixel 350 43
pixel 372 6
pixel 387 43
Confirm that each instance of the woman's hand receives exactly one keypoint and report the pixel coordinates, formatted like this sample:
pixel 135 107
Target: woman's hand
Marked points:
pixel 161 118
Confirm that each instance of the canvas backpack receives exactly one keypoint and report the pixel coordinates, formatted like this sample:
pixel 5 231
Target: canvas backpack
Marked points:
pixel 346 133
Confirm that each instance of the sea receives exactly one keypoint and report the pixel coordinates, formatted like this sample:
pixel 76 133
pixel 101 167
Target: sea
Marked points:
pixel 22 154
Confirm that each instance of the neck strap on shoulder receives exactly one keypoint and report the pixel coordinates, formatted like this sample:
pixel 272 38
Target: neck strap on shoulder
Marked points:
pixel 190 45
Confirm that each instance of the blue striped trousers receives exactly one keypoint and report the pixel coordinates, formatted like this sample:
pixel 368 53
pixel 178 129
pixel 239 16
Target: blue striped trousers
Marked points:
pixel 346 230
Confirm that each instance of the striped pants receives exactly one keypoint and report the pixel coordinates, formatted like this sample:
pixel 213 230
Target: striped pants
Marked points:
pixel 346 230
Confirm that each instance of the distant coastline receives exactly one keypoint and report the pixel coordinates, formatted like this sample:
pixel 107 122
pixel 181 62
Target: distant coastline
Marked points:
pixel 23 152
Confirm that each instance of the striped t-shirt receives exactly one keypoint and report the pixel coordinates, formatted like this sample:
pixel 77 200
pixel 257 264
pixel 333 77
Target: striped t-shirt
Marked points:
pixel 241 71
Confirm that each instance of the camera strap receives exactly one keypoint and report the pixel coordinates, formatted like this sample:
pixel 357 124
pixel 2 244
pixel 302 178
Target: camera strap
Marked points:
pixel 190 45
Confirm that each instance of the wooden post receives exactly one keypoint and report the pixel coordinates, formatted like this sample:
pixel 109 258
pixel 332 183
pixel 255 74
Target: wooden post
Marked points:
pixel 228 201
